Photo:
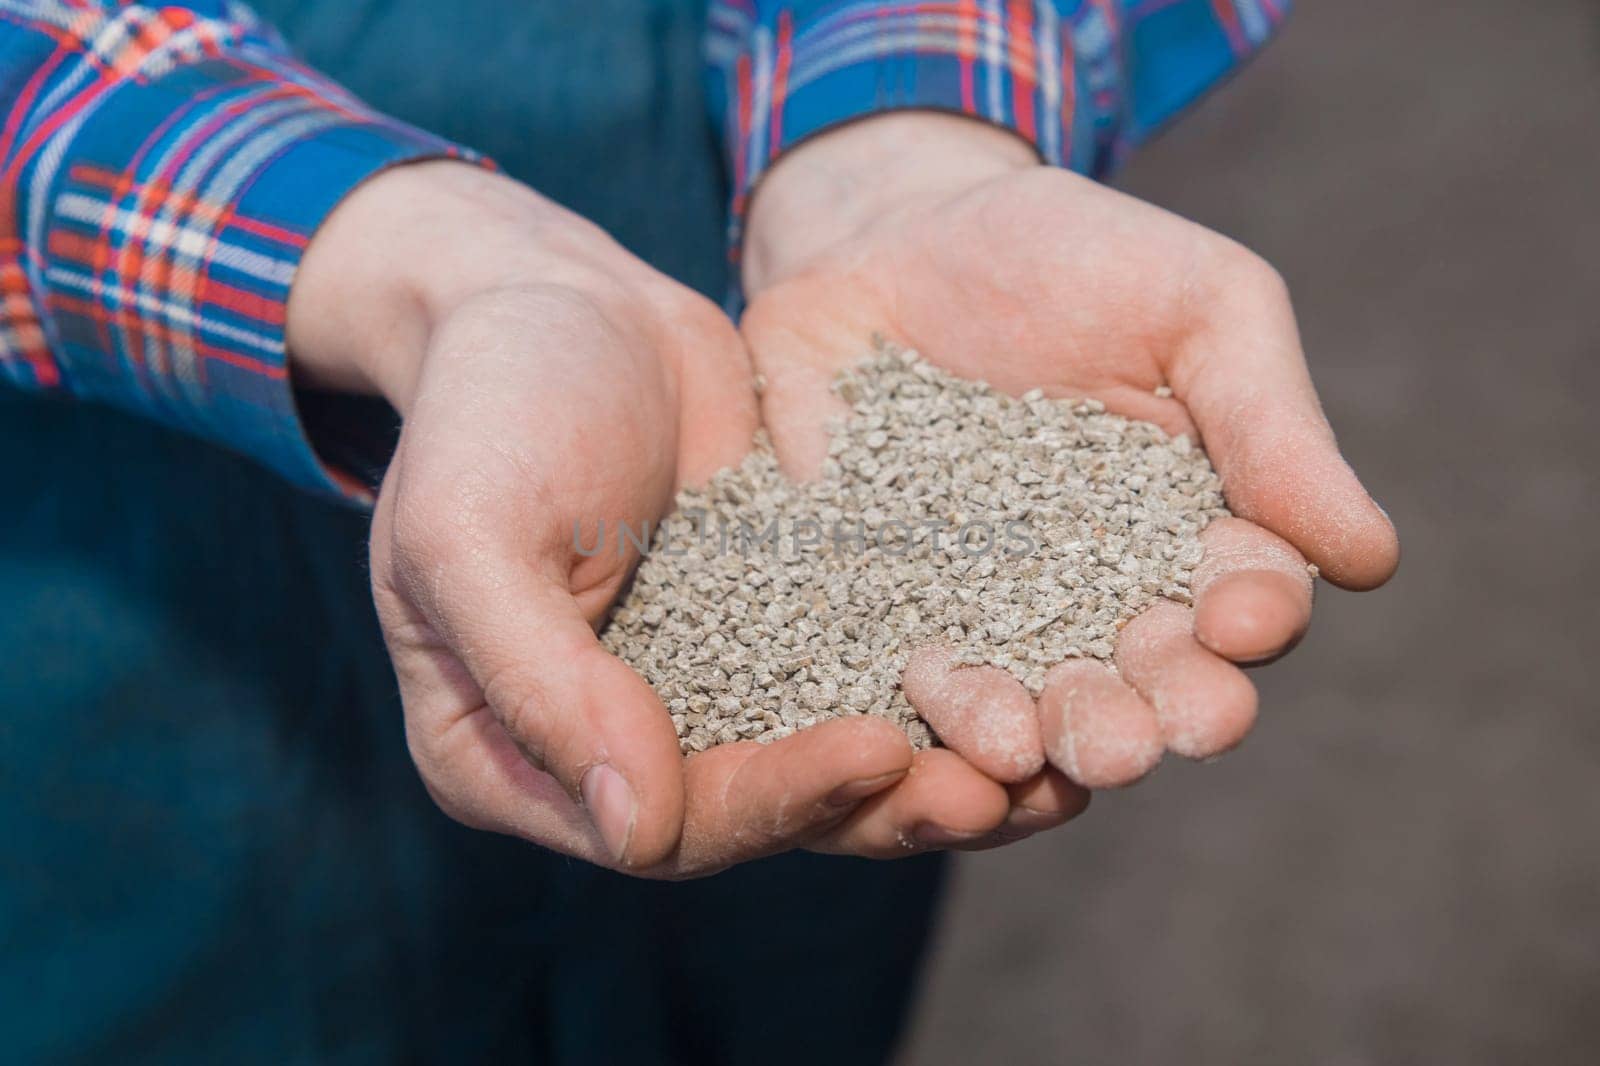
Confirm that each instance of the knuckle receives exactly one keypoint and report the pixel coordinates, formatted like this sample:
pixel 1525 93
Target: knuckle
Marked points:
pixel 434 772
pixel 1243 271
pixel 1036 188
pixel 762 314
pixel 441 519
pixel 680 304
pixel 774 312
pixel 584 305
pixel 692 322
pixel 410 571
pixel 701 316
pixel 458 812
pixel 521 703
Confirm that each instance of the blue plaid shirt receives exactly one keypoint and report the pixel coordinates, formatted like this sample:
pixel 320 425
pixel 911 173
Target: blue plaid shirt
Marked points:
pixel 162 168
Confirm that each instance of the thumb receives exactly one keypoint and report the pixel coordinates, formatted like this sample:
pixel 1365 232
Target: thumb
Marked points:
pixel 574 710
pixel 1243 378
pixel 798 366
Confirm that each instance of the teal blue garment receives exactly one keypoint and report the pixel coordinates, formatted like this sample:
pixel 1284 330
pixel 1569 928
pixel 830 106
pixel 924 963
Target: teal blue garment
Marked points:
pixel 599 105
pixel 213 846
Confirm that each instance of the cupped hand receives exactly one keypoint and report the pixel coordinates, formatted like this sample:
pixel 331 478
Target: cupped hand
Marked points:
pixel 546 379
pixel 947 236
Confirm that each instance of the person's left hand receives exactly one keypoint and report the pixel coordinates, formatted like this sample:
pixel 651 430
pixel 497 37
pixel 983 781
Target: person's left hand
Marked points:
pixel 947 236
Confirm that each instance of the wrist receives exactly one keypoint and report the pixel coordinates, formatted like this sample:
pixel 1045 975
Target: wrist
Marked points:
pixel 408 247
pixel 838 184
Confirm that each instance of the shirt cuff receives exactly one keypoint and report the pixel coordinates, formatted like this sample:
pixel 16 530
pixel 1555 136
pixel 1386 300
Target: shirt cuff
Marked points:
pixel 170 236
pixel 1084 82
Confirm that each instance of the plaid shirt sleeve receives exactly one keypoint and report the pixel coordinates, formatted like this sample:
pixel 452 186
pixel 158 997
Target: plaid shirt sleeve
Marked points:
pixel 1084 80
pixel 161 172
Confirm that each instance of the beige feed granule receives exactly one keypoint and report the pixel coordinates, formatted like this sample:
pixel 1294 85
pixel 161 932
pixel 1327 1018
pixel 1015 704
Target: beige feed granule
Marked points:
pixel 1021 532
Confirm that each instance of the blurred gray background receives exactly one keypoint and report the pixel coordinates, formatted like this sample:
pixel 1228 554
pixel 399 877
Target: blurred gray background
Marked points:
pixel 1402 864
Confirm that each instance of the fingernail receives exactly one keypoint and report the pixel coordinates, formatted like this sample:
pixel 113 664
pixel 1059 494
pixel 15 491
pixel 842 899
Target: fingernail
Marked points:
pixel 939 837
pixel 610 803
pixel 855 791
pixel 1028 820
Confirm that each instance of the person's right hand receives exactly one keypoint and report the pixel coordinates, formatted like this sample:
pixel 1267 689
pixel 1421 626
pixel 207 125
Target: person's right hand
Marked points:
pixel 547 377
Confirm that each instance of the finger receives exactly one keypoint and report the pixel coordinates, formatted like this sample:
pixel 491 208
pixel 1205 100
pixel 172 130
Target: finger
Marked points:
pixel 1244 378
pixel 942 802
pixel 1047 800
pixel 798 367
pixel 469 763
pixel 1096 728
pixel 1044 801
pixel 572 708
pixel 748 799
pixel 1204 704
pixel 743 800
pixel 1252 592
pixel 478 776
pixel 980 712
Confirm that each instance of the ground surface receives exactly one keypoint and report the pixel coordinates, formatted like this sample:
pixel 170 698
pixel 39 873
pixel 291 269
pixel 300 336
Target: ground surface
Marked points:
pixel 1403 863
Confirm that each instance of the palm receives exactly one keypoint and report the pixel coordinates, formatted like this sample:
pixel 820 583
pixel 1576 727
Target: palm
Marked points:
pixel 488 605
pixel 1041 279
pixel 1011 283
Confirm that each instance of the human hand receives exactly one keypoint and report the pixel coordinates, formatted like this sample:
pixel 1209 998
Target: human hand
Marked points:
pixel 547 377
pixel 947 236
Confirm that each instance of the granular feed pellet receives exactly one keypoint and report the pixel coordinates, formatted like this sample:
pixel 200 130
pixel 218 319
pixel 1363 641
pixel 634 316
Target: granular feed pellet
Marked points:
pixel 1019 531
